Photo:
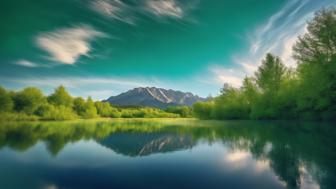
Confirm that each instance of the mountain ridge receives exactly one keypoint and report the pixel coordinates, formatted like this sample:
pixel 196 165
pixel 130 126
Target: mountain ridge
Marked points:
pixel 154 97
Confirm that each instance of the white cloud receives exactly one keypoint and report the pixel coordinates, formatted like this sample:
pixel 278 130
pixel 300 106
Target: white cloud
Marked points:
pixel 237 156
pixel 287 51
pixel 26 63
pixel 114 9
pixel 169 8
pixel 68 44
pixel 277 35
pixel 220 75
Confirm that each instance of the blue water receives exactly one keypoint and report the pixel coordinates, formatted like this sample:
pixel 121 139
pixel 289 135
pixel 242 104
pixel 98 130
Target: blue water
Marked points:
pixel 199 154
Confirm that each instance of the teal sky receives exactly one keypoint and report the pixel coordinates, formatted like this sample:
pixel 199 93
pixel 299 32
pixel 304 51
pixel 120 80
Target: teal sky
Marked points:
pixel 100 48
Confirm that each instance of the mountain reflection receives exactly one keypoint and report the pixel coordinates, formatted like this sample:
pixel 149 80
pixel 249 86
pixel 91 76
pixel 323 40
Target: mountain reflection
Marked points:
pixel 291 150
pixel 141 144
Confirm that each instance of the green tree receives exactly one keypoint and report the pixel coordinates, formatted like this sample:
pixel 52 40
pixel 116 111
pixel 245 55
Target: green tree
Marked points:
pixel 61 97
pixel 90 109
pixel 183 111
pixel 250 91
pixel 51 112
pixel 231 104
pixel 104 109
pixel 28 100
pixel 269 79
pixel 270 74
pixel 6 102
pixel 315 52
pixel 203 110
pixel 79 106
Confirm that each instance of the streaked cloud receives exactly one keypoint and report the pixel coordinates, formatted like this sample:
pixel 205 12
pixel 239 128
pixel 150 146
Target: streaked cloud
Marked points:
pixel 66 45
pixel 169 8
pixel 277 35
pixel 114 9
pixel 26 63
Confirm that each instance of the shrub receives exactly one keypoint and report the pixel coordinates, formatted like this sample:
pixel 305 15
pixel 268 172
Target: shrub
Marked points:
pixel 52 112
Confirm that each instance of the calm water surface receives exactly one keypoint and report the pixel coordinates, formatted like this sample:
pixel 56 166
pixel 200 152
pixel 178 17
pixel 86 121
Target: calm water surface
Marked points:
pixel 167 154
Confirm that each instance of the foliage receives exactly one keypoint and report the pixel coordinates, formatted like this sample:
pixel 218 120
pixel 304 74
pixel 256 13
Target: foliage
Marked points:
pixel 183 111
pixel 6 102
pixel 52 112
pixel 60 97
pixel 270 74
pixel 30 104
pixel 203 110
pixel 11 116
pixel 316 55
pixel 277 92
pixel 104 109
pixel 28 100
pixel 146 112
pixel 90 110
pixel 79 105
pixel 231 104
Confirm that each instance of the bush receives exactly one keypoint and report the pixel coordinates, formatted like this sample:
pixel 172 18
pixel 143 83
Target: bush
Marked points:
pixel 145 112
pixel 8 116
pixel 61 97
pixel 6 102
pixel 51 112
pixel 28 100
pixel 183 111
pixel 104 109
pixel 79 105
pixel 203 110
pixel 90 109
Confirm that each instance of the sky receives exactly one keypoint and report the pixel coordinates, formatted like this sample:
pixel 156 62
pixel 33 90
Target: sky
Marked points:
pixel 101 48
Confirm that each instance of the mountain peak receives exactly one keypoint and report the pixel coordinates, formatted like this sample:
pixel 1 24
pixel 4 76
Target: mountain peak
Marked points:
pixel 154 97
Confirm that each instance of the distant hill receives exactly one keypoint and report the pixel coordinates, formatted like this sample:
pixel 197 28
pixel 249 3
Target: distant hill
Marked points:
pixel 154 97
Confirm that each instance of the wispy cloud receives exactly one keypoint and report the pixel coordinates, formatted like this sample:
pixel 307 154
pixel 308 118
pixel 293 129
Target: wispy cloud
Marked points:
pixel 170 8
pixel 114 9
pixel 220 75
pixel 277 35
pixel 66 45
pixel 26 63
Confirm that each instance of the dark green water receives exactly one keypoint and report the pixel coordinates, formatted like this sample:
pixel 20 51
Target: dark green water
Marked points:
pixel 167 154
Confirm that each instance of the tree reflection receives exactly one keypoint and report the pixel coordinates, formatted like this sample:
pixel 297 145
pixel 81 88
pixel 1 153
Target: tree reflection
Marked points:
pixel 287 146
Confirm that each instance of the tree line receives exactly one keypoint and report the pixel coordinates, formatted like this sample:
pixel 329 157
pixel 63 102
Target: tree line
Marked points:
pixel 31 104
pixel 275 91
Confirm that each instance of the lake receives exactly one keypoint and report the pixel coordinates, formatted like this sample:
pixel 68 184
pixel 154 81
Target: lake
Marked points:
pixel 167 153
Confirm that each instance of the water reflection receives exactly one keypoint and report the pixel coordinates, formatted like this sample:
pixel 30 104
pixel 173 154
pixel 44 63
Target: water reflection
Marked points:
pixel 300 155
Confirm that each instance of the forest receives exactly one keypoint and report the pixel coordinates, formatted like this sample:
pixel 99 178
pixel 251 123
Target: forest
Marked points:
pixel 31 104
pixel 307 92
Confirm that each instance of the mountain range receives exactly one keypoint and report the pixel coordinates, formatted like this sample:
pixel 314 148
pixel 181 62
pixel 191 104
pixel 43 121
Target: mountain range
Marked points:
pixel 154 97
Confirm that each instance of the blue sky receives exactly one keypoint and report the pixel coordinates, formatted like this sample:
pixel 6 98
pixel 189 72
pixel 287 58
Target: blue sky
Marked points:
pixel 100 48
